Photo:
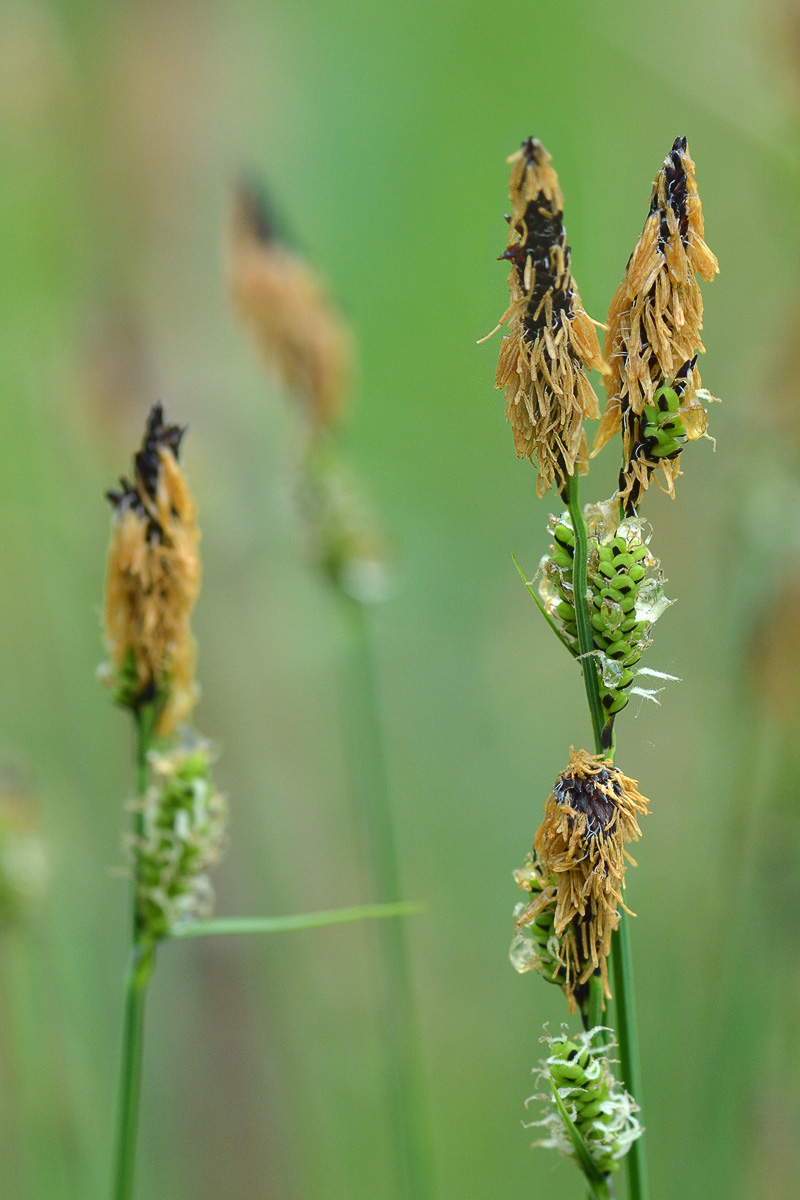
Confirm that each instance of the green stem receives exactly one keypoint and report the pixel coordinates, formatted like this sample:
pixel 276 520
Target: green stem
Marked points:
pixel 629 1050
pixel 620 946
pixel 580 585
pixel 140 967
pixel 315 920
pixel 398 1024
pixel 594 1015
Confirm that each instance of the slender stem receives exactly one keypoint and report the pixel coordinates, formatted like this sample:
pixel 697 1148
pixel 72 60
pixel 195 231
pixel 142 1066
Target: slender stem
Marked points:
pixel 579 587
pixel 594 1015
pixel 140 967
pixel 398 1024
pixel 629 1050
pixel 315 920
pixel 620 945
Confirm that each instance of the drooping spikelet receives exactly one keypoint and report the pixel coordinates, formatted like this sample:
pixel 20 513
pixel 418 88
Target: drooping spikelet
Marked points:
pixel 551 342
pixel 578 865
pixel 153 580
pixel 653 338
pixel 283 303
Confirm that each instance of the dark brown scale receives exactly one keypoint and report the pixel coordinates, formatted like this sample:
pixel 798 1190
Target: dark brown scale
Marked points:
pixel 147 464
pixel 675 172
pixel 681 379
pixel 539 231
pixel 258 211
pixel 590 797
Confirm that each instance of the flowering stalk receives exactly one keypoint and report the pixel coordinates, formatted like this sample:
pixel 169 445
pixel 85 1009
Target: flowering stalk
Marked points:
pixel 152 584
pixel 178 816
pixel 141 963
pixel 624 1002
pixel 601 592
pixel 280 299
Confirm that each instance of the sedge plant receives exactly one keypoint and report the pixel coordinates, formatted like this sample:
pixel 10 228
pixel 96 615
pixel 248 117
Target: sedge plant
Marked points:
pixel 600 587
pixel 178 816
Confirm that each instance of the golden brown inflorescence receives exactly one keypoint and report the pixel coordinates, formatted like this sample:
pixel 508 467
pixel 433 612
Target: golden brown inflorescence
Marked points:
pixel 551 342
pixel 578 865
pixel 654 325
pixel 153 580
pixel 283 303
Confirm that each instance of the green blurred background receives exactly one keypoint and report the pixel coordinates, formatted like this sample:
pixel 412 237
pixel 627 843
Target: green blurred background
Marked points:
pixel 382 131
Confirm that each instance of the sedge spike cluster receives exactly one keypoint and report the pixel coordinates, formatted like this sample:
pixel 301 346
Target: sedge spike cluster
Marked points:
pixel 153 581
pixel 626 593
pixel 653 339
pixel 576 874
pixel 551 342
pixel 578 1070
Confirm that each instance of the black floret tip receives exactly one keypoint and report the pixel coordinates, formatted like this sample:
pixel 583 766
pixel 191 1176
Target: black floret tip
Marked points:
pixel 147 464
pixel 675 171
pixel 258 210
pixel 533 150
pixel 590 797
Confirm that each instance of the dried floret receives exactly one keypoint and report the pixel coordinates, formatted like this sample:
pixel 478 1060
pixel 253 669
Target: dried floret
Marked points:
pixel 282 301
pixel 579 859
pixel 653 338
pixel 551 342
pixel 153 580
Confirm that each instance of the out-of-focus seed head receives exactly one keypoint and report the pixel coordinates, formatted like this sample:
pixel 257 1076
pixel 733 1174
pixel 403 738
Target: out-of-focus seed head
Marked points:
pixel 653 338
pixel 551 342
pixel 153 580
pixel 579 852
pixel 284 305
pixel 340 533
pixel 182 835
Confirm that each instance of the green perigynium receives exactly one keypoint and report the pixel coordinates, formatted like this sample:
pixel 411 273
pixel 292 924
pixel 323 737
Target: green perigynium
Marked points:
pixel 181 835
pixel 626 590
pixel 537 947
pixel 579 1068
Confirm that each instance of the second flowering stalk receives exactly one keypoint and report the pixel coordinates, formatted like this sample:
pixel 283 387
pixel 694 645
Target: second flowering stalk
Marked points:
pixel 601 592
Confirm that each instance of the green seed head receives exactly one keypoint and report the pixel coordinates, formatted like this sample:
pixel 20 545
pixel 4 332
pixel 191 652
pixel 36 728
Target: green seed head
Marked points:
pixel 598 1106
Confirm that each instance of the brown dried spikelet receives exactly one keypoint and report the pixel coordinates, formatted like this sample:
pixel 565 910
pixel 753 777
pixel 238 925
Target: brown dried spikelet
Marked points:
pixel 655 320
pixel 590 815
pixel 551 341
pixel 153 579
pixel 283 303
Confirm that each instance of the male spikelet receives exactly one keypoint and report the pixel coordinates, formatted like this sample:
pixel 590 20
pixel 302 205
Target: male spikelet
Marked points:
pixel 579 852
pixel 282 302
pixel 654 325
pixel 153 580
pixel 551 342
